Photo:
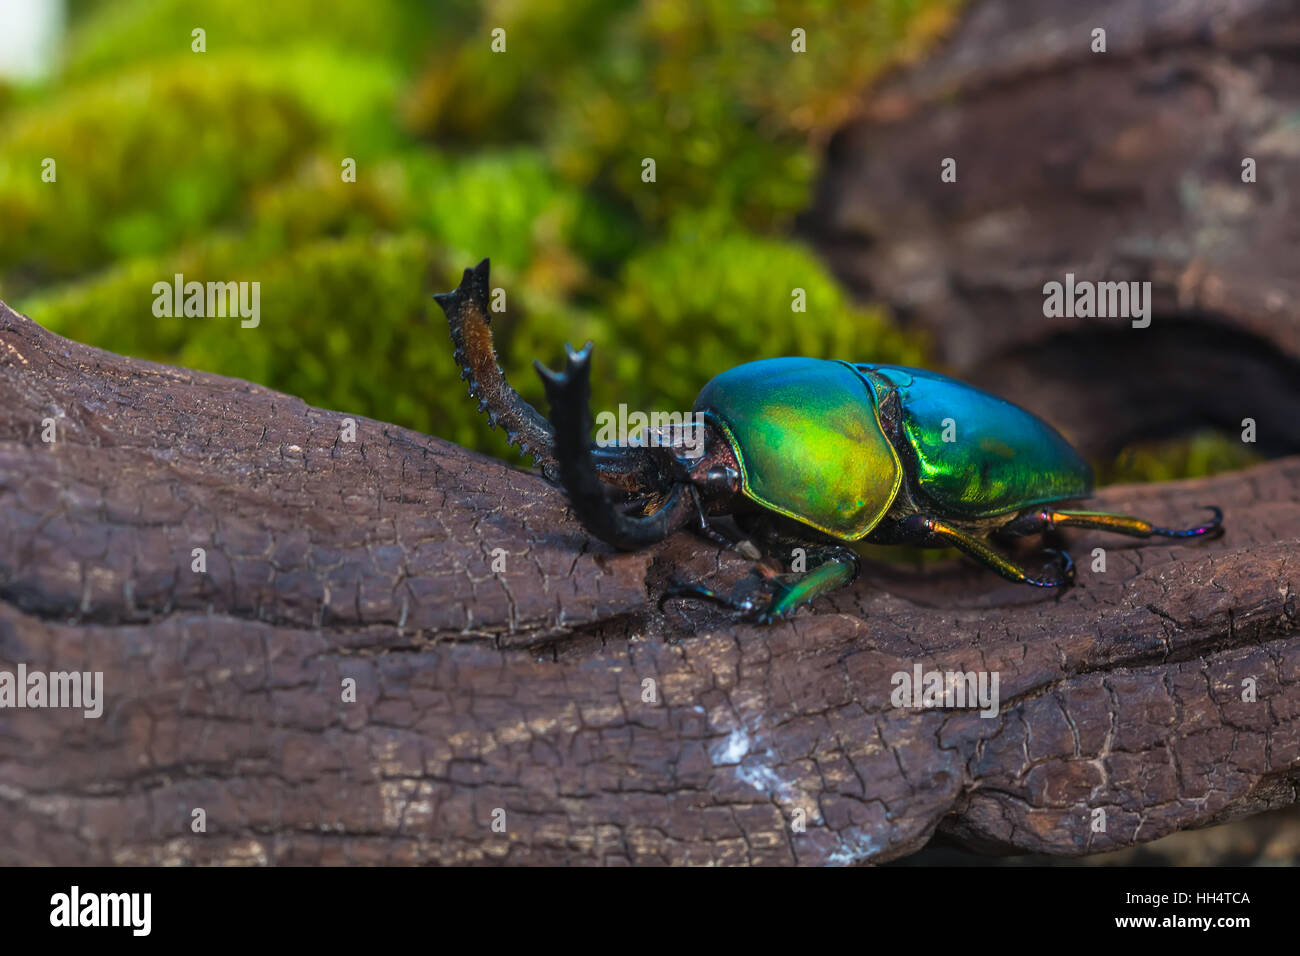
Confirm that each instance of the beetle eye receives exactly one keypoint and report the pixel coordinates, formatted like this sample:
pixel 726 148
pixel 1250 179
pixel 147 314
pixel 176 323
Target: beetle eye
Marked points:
pixel 722 475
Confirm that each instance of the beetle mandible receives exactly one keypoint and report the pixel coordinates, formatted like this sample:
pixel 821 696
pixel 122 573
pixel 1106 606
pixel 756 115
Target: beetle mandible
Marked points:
pixel 803 452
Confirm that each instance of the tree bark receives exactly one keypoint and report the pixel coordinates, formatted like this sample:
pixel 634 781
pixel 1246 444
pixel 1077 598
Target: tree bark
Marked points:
pixel 551 698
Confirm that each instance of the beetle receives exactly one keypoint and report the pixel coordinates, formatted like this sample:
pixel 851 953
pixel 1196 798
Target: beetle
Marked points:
pixel 802 452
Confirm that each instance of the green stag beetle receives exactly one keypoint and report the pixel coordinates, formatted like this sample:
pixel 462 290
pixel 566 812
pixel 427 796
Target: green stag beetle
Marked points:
pixel 802 452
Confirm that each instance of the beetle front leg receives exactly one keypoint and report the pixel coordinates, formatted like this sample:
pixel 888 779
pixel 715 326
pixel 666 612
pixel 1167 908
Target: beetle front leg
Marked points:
pixel 837 568
pixel 570 392
pixel 766 597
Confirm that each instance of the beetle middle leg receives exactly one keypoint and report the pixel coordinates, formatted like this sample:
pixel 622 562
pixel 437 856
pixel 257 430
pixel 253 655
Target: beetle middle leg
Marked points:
pixel 928 531
pixel 731 541
pixel 766 597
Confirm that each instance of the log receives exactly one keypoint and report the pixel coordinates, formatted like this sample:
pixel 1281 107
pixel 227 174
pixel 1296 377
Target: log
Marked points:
pixel 544 710
pixel 1118 166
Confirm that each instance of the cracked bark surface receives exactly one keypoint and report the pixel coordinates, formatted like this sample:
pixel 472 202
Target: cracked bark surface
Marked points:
pixel 523 690
pixel 1122 166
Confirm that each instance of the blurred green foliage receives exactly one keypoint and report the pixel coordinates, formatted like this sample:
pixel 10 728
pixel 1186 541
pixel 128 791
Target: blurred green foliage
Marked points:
pixel 111 34
pixel 139 168
pixel 1205 452
pixel 225 165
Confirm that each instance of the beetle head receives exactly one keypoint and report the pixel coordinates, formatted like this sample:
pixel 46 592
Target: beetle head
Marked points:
pixel 701 455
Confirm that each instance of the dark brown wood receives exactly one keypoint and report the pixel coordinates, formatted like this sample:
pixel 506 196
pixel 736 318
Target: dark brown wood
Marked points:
pixel 524 691
pixel 1124 165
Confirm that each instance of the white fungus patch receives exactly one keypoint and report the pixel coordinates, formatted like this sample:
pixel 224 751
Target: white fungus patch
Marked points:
pixel 733 749
pixel 755 766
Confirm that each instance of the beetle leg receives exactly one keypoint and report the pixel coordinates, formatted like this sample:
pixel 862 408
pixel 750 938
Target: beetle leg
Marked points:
pixel 741 545
pixel 1037 522
pixel 526 428
pixel 707 530
pixel 838 568
pixel 764 598
pixel 925 530
pixel 569 392
pixel 697 592
pixel 471 335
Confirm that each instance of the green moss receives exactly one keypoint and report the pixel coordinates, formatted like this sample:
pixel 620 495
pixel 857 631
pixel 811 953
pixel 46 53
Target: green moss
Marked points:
pixel 154 158
pixel 314 202
pixel 704 301
pixel 142 163
pixel 349 324
pixel 712 91
pixel 694 305
pixel 1206 452
pixel 506 205
pixel 224 166
pixel 352 98
pixel 111 36
pixel 474 95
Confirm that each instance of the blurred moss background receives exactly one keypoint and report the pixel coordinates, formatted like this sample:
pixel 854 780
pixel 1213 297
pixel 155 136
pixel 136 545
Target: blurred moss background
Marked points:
pixel 226 165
